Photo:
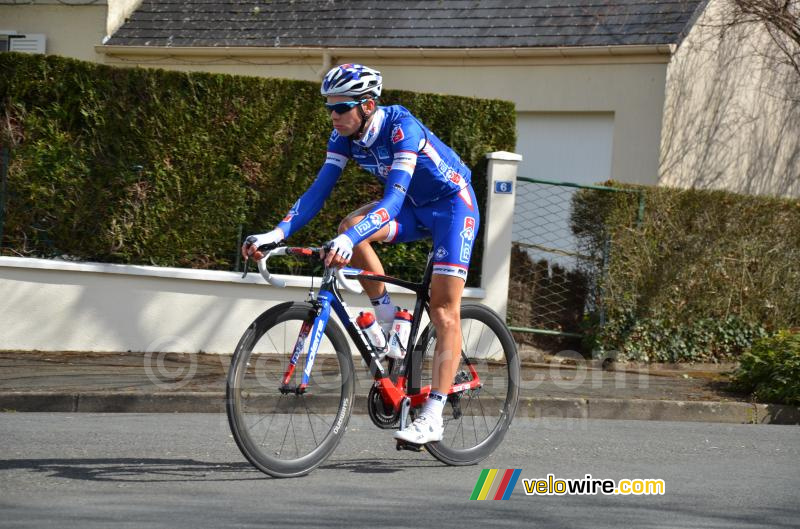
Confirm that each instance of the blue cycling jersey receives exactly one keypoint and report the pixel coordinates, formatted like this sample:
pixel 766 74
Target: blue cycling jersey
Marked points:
pixel 402 153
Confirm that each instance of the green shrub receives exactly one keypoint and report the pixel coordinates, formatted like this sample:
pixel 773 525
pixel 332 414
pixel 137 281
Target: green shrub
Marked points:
pixel 657 339
pixel 145 166
pixel 699 277
pixel 770 370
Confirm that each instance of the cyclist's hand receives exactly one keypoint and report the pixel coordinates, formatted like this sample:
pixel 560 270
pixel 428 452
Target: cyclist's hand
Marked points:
pixel 339 251
pixel 251 243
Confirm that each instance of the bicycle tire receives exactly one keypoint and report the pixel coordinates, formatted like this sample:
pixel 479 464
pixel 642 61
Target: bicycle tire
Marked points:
pixel 255 404
pixel 486 419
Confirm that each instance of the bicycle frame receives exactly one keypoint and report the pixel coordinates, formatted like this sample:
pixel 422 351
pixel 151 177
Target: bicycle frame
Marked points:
pixel 329 298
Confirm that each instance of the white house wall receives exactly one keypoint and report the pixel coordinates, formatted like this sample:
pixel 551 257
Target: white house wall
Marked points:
pixel 732 117
pixel 71 30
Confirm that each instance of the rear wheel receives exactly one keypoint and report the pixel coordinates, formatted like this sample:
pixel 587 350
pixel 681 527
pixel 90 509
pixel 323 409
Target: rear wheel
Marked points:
pixel 476 420
pixel 282 430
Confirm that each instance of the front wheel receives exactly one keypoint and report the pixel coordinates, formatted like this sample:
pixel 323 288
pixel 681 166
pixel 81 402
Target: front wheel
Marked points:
pixel 283 430
pixel 476 420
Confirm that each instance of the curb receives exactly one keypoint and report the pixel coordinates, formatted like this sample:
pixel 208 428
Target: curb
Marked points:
pixel 659 410
pixel 532 407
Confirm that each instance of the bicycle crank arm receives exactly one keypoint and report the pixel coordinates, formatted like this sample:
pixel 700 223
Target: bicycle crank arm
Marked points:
pixel 405 408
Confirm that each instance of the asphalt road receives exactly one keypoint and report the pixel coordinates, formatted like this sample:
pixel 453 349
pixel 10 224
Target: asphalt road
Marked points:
pixel 184 470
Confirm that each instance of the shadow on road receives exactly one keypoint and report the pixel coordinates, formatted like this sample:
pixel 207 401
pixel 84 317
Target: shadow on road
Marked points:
pixel 144 470
pixel 136 469
pixel 380 466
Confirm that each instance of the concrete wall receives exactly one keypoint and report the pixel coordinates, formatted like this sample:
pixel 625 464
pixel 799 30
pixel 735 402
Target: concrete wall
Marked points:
pixel 732 113
pixel 57 305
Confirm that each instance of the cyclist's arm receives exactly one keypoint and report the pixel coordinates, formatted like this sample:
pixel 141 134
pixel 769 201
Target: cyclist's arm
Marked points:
pixel 309 204
pixel 397 182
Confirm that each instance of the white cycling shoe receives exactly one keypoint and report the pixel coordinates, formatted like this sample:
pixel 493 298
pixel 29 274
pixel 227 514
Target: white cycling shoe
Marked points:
pixel 425 429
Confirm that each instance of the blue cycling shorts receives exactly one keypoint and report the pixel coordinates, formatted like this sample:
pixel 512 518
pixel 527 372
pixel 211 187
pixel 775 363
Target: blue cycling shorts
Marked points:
pixel 452 222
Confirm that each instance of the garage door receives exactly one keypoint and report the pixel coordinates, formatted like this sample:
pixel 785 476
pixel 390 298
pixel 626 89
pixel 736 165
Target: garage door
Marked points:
pixel 573 147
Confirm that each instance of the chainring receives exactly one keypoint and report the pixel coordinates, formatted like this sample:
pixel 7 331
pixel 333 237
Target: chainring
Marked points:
pixel 381 416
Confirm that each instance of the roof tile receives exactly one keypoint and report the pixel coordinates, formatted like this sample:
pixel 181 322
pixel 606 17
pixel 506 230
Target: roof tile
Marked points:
pixel 405 24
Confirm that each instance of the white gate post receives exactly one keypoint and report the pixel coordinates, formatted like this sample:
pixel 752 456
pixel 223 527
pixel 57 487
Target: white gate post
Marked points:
pixel 497 222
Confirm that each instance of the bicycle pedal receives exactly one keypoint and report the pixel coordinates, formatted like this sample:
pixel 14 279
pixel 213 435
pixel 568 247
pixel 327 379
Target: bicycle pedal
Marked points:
pixel 412 447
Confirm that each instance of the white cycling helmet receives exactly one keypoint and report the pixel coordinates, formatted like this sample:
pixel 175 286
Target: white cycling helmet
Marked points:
pixel 353 80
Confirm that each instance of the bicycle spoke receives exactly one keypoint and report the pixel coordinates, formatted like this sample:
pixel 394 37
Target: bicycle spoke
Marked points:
pixel 294 434
pixel 483 413
pixel 285 435
pixel 269 426
pixel 310 424
pixel 474 429
pixel 464 343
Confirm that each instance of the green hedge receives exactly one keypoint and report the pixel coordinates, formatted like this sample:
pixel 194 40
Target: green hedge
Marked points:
pixel 156 167
pixel 770 370
pixel 703 276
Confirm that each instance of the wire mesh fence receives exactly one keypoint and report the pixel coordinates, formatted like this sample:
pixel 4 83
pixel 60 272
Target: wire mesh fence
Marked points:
pixel 553 285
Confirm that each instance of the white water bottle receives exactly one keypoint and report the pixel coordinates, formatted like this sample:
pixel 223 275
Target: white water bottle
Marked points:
pixel 367 323
pixel 401 330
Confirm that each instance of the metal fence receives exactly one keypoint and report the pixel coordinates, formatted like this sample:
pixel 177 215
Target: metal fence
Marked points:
pixel 552 285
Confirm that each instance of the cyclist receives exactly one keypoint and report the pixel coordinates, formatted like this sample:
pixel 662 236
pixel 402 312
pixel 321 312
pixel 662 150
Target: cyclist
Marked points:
pixel 427 194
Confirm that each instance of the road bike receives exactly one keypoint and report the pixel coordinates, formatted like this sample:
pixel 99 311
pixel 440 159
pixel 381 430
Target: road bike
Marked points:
pixel 291 384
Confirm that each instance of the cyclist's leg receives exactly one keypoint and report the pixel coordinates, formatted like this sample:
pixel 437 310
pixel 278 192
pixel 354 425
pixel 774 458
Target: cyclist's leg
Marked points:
pixel 403 228
pixel 446 291
pixel 453 239
pixel 454 222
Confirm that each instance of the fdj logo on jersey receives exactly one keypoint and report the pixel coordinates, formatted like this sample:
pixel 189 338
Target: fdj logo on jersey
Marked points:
pixel 292 212
pixel 467 236
pixel 397 134
pixel 373 220
pixel 379 217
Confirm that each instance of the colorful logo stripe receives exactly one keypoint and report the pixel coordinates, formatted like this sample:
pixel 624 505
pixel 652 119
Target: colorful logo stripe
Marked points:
pixel 496 484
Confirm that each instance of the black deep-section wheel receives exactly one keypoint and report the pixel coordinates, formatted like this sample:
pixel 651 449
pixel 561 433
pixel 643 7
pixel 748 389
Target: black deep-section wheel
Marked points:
pixel 283 430
pixel 476 421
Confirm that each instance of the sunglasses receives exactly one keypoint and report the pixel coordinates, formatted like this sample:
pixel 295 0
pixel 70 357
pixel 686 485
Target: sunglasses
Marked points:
pixel 344 107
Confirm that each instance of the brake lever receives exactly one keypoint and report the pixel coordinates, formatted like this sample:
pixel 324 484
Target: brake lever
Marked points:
pixel 246 267
pixel 251 239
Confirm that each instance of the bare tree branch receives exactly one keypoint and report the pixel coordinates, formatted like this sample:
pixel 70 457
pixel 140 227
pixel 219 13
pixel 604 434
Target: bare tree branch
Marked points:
pixel 781 19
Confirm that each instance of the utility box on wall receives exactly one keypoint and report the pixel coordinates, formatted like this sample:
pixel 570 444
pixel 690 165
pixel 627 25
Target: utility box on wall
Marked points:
pixel 28 43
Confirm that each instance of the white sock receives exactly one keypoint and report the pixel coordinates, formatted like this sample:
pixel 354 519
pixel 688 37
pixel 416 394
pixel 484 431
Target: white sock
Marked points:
pixel 434 406
pixel 384 310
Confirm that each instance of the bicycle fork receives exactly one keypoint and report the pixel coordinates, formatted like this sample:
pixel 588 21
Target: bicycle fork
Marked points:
pixel 316 332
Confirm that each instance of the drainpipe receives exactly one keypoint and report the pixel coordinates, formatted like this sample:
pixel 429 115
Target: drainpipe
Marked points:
pixel 327 63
